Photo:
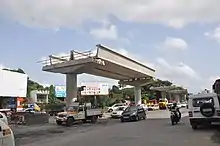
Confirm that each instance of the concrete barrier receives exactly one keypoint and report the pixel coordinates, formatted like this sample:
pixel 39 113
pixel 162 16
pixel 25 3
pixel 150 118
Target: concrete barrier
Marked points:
pixel 37 118
pixel 30 118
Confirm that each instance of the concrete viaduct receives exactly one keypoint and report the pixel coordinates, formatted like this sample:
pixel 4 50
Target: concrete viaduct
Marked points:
pixel 105 63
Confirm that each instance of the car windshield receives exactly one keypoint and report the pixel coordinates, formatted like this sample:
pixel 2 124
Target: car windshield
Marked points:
pixel 199 101
pixel 72 109
pixel 131 108
pixel 120 109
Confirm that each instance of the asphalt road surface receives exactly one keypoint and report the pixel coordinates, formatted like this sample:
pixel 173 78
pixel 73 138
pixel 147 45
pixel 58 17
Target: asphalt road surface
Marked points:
pixel 152 132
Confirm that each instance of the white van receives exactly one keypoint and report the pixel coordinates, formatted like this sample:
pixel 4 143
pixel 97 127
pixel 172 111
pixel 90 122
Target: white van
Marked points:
pixel 6 135
pixel 203 108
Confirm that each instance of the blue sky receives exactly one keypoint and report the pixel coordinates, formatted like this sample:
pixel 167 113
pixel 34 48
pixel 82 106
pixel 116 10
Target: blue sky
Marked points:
pixel 183 47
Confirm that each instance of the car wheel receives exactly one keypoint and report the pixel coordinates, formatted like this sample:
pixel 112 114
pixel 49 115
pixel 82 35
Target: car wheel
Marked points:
pixel 94 119
pixel 122 120
pixel 194 126
pixel 110 110
pixel 59 122
pixel 144 117
pixel 69 122
pixel 137 118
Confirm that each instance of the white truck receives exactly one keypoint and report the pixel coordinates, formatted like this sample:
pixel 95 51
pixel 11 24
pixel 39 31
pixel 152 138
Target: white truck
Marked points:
pixel 78 112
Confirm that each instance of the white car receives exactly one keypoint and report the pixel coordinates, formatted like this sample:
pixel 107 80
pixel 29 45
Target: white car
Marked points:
pixel 6 135
pixel 153 107
pixel 203 108
pixel 3 118
pixel 115 106
pixel 179 105
pixel 118 112
pixel 183 104
pixel 145 107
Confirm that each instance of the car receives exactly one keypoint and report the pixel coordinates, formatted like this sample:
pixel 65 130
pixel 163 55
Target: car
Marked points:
pixel 144 106
pixel 179 105
pixel 133 113
pixel 169 105
pixel 115 106
pixel 6 135
pixel 183 104
pixel 203 108
pixel 153 107
pixel 3 118
pixel 118 112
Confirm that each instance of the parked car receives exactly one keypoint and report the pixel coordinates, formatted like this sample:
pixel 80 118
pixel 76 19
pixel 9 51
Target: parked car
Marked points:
pixel 153 107
pixel 183 104
pixel 115 106
pixel 118 112
pixel 133 113
pixel 144 106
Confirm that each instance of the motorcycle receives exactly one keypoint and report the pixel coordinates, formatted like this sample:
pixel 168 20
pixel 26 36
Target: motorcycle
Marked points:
pixel 175 118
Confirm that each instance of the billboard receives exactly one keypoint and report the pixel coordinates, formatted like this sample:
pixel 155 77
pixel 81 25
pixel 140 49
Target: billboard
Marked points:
pixel 95 89
pixel 60 91
pixel 13 84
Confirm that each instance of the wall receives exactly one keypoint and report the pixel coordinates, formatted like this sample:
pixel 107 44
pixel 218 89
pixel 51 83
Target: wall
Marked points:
pixel 13 84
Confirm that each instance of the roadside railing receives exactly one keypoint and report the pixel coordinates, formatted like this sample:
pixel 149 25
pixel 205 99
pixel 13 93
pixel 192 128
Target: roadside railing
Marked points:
pixel 74 55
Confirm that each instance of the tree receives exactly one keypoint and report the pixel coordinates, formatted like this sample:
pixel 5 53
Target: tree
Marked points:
pixel 115 89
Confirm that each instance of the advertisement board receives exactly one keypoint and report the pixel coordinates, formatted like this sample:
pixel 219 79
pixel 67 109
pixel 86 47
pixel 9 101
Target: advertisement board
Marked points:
pixel 60 91
pixel 13 84
pixel 95 89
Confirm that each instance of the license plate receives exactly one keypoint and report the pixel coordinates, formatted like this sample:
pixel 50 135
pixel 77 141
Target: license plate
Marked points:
pixel 126 117
pixel 207 110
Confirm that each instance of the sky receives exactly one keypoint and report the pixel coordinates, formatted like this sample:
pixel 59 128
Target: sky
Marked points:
pixel 178 38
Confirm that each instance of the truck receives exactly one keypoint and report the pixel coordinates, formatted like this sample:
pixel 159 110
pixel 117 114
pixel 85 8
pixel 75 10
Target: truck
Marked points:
pixel 78 112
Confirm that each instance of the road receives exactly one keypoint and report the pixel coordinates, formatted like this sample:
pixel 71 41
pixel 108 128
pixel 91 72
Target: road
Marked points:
pixel 155 132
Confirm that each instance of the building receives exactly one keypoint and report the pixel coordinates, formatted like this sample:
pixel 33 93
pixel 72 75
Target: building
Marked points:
pixel 39 96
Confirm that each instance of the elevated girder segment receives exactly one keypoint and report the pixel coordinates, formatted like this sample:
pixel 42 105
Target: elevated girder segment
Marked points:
pixel 163 88
pixel 137 81
pixel 109 55
pixel 94 67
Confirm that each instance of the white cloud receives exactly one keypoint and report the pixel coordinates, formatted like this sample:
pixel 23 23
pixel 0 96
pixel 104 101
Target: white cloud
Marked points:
pixel 175 71
pixel 178 73
pixel 171 43
pixel 69 13
pixel 105 32
pixel 215 34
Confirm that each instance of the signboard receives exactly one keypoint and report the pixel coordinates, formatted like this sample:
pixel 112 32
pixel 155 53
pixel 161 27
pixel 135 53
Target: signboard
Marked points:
pixel 95 89
pixel 13 84
pixel 60 91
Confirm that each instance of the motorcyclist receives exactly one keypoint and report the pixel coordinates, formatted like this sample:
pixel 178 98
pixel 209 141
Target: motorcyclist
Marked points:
pixel 176 109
